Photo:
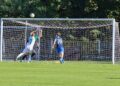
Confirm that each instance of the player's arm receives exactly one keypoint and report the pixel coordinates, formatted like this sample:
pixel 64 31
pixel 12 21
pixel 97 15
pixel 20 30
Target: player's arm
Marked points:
pixel 40 33
pixel 34 31
pixel 53 45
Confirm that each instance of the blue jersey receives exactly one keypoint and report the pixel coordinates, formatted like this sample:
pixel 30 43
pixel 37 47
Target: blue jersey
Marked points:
pixel 30 40
pixel 58 41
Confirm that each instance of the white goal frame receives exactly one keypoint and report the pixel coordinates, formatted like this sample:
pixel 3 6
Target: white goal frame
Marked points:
pixel 111 19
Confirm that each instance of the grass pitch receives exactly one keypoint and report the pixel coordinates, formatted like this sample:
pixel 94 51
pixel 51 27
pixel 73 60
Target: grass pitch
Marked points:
pixel 55 74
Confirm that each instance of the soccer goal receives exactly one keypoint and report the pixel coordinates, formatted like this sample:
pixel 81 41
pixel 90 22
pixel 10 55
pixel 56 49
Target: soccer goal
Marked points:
pixel 84 39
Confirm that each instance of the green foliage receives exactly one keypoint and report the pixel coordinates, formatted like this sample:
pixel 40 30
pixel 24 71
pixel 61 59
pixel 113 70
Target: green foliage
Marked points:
pixel 61 8
pixel 84 39
pixel 71 37
pixel 91 6
pixel 94 34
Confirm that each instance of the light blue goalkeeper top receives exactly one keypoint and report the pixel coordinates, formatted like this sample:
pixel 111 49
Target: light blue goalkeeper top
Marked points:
pixel 31 39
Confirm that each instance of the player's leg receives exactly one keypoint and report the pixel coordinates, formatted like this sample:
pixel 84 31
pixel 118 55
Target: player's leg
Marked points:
pixel 33 54
pixel 20 55
pixel 30 56
pixel 61 54
pixel 24 57
pixel 30 52
pixel 24 52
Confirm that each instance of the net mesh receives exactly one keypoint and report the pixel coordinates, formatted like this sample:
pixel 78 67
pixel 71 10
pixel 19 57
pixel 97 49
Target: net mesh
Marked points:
pixel 83 39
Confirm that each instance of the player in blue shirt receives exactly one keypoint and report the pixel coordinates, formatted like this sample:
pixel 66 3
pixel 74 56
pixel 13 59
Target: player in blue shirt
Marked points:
pixel 59 46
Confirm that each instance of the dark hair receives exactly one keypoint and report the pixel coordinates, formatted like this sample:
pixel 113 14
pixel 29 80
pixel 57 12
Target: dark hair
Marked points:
pixel 58 33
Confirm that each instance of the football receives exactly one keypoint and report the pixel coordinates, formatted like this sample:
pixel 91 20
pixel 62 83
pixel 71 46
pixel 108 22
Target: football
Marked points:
pixel 32 15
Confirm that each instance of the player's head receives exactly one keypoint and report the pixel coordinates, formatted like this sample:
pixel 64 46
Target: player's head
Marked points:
pixel 58 33
pixel 32 33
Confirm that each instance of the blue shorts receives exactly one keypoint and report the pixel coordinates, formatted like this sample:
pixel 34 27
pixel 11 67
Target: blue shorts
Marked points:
pixel 60 50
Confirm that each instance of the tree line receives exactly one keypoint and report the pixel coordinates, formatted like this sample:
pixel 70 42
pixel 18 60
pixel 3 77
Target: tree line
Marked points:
pixel 60 8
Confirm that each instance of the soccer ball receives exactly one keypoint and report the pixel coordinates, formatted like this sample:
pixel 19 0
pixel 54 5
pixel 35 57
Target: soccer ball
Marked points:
pixel 32 15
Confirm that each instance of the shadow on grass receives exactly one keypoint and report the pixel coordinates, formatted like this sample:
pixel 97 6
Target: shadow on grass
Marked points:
pixel 114 78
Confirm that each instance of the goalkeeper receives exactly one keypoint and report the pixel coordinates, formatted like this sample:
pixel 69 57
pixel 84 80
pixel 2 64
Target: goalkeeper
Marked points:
pixel 59 46
pixel 28 50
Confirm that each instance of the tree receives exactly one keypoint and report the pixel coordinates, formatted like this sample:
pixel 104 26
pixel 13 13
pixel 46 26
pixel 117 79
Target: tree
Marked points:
pixel 61 8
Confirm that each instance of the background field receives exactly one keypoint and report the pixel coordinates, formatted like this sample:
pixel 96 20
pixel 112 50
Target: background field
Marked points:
pixel 55 74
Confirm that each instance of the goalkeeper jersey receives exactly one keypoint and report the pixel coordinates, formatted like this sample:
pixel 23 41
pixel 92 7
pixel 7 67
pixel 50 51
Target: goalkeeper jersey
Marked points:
pixel 32 38
pixel 36 37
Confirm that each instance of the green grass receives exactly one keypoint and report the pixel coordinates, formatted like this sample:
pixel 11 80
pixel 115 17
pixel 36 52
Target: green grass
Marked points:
pixel 54 74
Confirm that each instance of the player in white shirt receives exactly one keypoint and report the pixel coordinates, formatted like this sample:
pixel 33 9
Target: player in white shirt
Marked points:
pixel 28 50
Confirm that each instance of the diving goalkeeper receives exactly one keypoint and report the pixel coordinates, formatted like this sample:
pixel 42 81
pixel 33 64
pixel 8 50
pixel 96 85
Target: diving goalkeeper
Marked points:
pixel 28 50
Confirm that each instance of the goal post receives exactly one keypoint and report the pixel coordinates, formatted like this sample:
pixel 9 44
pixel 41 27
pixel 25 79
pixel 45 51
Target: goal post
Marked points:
pixel 116 43
pixel 1 41
pixel 84 39
pixel 113 42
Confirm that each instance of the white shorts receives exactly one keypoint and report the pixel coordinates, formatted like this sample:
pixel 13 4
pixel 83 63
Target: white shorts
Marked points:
pixel 28 49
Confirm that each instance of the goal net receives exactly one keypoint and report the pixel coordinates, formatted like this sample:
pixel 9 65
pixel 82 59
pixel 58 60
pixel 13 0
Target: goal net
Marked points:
pixel 84 39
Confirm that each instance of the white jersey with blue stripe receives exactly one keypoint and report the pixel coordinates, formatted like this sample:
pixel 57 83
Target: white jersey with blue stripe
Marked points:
pixel 31 42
